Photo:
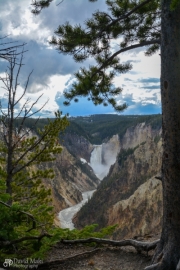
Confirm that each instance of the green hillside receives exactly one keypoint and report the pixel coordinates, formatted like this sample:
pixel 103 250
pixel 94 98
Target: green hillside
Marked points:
pixel 100 127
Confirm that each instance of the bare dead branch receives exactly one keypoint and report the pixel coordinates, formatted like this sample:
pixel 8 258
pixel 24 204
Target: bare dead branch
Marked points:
pixel 9 52
pixel 17 75
pixel 25 88
pixel 38 109
pixel 21 126
pixel 60 3
pixel 26 116
pixel 30 149
pixel 22 108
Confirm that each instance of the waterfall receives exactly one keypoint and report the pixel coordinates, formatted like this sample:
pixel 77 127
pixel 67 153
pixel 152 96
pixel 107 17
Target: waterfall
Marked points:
pixel 96 162
pixel 103 156
pixel 96 156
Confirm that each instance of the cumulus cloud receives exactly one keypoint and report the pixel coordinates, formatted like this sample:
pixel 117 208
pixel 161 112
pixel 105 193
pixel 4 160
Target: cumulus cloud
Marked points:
pixel 144 106
pixel 18 22
pixel 76 12
pixel 53 72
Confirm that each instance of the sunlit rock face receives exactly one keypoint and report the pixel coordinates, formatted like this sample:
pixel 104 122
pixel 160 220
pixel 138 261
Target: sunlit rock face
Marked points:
pixel 129 195
pixel 141 213
pixel 103 156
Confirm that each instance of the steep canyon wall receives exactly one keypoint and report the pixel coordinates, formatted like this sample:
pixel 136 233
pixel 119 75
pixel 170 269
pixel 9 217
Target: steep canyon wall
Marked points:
pixel 130 196
pixel 72 177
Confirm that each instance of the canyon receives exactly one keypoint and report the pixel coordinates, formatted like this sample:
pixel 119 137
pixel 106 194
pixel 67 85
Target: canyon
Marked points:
pixel 121 164
pixel 130 195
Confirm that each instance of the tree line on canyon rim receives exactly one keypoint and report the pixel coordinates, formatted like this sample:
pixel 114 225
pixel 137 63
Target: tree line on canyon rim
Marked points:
pixel 97 128
pixel 140 23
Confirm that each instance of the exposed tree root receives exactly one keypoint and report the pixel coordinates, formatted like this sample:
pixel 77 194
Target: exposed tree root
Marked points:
pixel 178 266
pixel 152 267
pixel 165 258
pixel 48 265
pixel 139 246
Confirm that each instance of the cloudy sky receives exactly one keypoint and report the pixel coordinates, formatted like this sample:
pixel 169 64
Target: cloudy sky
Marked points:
pixel 53 72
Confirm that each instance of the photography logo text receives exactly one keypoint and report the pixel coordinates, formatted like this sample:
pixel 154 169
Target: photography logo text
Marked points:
pixel 27 263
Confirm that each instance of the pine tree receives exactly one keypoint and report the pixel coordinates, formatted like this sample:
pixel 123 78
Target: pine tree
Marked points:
pixel 26 212
pixel 137 23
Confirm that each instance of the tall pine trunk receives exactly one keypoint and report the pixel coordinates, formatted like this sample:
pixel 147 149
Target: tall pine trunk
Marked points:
pixel 168 252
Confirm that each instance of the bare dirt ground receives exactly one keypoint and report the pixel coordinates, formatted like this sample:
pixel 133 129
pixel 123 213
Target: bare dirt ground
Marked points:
pixel 83 257
pixel 103 258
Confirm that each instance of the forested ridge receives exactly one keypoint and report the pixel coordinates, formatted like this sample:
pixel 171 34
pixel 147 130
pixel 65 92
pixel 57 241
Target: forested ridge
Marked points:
pixel 104 126
pixel 99 127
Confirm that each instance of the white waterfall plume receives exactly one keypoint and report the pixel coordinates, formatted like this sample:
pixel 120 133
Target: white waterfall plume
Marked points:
pixel 103 156
pixel 96 155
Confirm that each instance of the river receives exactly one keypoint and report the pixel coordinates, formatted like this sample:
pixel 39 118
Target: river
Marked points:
pixel 67 214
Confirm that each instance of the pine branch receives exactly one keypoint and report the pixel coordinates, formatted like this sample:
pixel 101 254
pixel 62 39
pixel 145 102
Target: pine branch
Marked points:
pixel 13 242
pixel 22 212
pixel 129 13
pixel 9 52
pixel 134 46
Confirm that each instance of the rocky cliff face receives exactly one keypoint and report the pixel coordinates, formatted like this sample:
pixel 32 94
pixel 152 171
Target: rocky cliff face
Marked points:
pixel 78 145
pixel 138 134
pixel 140 214
pixel 71 178
pixel 127 186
